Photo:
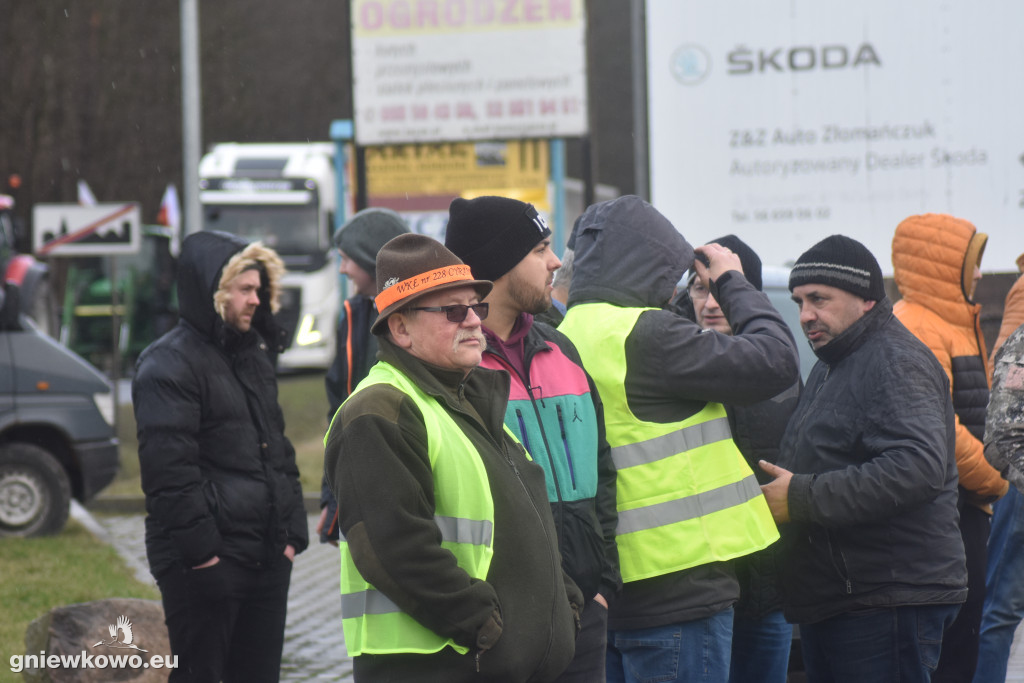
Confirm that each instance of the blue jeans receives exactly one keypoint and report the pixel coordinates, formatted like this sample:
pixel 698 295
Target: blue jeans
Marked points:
pixel 688 652
pixel 760 649
pixel 880 645
pixel 1004 588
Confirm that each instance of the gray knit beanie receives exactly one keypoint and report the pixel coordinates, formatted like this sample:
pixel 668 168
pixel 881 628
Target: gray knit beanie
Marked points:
pixel 365 233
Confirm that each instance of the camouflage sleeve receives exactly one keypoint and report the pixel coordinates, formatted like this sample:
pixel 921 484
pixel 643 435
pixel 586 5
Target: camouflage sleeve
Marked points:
pixel 1004 424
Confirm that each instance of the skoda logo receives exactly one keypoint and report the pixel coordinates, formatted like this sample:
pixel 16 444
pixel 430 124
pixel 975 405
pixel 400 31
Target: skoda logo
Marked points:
pixel 690 64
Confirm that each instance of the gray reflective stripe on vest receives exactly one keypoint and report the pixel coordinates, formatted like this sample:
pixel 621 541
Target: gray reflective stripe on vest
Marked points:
pixel 673 443
pixel 459 530
pixel 355 605
pixel 691 507
pixel 453 529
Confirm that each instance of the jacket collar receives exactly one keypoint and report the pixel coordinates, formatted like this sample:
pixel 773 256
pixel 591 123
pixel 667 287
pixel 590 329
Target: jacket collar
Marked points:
pixel 482 388
pixel 857 334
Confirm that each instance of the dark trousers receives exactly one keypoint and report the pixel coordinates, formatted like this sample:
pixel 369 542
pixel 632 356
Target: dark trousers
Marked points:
pixel 226 622
pixel 960 644
pixel 587 665
pixel 883 645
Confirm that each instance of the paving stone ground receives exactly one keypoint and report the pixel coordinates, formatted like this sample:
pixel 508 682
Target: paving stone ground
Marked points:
pixel 314 649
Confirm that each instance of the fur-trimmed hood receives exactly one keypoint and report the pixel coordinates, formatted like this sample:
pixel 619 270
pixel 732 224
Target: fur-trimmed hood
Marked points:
pixel 209 261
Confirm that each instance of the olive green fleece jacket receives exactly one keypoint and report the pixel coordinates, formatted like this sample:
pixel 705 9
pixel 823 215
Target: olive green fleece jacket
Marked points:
pixel 521 619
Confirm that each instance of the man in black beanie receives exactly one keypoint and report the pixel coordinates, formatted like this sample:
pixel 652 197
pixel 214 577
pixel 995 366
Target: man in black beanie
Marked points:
pixel 357 242
pixel 865 489
pixel 553 405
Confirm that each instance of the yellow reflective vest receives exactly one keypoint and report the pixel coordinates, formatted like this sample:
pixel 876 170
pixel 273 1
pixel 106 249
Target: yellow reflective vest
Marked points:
pixel 685 495
pixel 464 512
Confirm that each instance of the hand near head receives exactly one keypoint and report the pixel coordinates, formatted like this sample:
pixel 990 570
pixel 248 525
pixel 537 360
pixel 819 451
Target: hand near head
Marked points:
pixel 720 259
pixel 776 493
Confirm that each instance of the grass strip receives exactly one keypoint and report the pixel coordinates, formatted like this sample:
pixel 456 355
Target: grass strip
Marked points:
pixel 41 573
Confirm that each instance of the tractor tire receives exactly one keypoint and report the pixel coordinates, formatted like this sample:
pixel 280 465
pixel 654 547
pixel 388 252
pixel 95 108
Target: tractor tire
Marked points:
pixel 35 493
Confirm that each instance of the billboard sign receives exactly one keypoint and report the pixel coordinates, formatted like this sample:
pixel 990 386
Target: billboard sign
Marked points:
pixel 455 70
pixel 786 122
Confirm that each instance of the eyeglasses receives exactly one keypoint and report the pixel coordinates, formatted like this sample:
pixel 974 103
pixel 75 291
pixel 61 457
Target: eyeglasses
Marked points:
pixel 456 313
pixel 698 292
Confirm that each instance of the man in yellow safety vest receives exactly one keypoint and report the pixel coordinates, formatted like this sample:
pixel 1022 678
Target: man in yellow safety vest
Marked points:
pixel 450 568
pixel 688 502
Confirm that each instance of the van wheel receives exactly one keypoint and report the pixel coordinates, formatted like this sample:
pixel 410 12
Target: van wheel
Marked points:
pixel 35 493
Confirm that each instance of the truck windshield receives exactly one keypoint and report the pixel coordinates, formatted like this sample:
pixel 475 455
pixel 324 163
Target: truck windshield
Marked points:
pixel 290 230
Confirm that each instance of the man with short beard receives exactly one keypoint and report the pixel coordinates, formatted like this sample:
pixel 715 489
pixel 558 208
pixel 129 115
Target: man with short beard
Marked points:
pixel 225 514
pixel 450 569
pixel 553 406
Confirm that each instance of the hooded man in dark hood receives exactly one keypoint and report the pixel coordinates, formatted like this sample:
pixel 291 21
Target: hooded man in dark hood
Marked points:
pixel 225 513
pixel 688 502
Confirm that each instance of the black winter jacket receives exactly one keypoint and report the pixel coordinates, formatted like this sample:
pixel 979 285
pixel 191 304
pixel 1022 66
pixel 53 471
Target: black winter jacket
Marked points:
pixel 874 491
pixel 218 472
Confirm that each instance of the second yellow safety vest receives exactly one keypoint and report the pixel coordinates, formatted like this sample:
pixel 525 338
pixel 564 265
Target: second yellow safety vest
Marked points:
pixel 685 495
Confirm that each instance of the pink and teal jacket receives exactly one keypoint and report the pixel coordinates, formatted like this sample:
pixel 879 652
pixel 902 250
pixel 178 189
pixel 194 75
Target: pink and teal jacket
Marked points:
pixel 556 413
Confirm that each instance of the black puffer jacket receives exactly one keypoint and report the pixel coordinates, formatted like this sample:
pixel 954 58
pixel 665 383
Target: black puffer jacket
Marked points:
pixel 218 472
pixel 874 491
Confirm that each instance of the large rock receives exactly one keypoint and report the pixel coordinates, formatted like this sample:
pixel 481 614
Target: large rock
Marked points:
pixel 81 635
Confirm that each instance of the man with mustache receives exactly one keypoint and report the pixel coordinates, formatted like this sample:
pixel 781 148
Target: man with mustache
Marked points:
pixel 865 488
pixel 450 569
pixel 553 407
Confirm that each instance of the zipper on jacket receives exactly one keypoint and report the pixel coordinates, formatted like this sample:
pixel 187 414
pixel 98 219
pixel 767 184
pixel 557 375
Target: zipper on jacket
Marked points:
pixel 843 571
pixel 540 426
pixel 522 430
pixel 565 445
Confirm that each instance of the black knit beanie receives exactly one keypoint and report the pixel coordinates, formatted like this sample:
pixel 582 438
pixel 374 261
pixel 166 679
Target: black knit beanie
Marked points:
pixel 750 261
pixel 365 233
pixel 842 262
pixel 493 234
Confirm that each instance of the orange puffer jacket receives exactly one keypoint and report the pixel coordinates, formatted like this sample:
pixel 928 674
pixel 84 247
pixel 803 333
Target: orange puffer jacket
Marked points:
pixel 933 258
pixel 1013 310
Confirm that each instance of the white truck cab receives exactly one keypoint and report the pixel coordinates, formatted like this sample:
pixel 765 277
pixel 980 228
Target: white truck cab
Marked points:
pixel 284 195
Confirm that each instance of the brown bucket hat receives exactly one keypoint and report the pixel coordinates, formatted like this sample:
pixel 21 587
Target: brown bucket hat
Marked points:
pixel 411 266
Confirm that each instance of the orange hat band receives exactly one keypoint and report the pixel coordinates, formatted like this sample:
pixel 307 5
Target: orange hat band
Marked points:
pixel 421 283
